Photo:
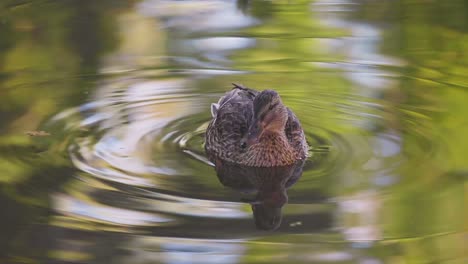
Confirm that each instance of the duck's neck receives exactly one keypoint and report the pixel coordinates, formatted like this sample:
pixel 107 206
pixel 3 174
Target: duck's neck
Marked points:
pixel 273 149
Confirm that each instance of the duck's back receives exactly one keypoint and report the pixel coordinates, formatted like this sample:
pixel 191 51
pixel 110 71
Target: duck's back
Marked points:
pixel 231 118
pixel 295 135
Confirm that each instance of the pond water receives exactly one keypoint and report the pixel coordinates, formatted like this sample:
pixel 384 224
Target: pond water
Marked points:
pixel 104 105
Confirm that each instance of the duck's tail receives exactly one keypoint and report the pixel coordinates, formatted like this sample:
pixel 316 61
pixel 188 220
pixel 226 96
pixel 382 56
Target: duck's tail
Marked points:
pixel 239 86
pixel 252 92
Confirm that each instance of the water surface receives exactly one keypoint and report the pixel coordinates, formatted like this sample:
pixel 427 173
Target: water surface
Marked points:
pixel 122 91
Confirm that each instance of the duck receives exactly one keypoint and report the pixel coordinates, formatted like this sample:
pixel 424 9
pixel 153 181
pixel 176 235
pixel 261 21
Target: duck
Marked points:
pixel 254 128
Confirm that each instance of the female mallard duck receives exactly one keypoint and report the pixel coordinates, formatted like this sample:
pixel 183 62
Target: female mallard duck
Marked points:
pixel 254 128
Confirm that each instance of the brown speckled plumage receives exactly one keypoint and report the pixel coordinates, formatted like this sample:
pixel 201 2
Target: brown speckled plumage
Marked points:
pixel 232 117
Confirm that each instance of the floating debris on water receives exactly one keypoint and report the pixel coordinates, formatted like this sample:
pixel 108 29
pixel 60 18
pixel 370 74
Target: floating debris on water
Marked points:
pixel 294 224
pixel 39 133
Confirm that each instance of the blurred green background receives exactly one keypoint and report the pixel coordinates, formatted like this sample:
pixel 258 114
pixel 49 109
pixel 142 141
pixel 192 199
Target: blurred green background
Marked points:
pixel 55 55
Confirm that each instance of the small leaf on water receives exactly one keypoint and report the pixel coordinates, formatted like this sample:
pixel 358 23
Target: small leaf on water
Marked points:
pixel 39 133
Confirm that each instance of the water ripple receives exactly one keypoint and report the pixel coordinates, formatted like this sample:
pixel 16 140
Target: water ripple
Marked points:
pixel 143 140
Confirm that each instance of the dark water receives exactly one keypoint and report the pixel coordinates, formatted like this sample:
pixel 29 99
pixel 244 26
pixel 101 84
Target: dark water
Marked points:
pixel 122 91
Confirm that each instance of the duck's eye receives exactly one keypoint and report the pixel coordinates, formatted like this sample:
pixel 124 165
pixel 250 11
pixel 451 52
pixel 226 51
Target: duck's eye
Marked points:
pixel 243 145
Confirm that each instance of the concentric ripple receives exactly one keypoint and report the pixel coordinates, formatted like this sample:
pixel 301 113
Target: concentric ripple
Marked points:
pixel 138 143
pixel 139 149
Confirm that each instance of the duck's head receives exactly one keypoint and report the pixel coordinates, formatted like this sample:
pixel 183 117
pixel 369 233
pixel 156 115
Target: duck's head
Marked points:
pixel 270 116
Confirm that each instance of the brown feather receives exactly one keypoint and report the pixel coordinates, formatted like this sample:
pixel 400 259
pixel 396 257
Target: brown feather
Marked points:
pixel 227 131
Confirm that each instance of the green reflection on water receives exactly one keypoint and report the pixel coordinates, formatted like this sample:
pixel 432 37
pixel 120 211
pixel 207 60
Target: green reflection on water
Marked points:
pixel 50 55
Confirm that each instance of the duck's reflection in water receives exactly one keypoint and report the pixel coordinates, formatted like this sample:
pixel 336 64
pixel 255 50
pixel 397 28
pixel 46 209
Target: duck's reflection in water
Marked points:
pixel 269 184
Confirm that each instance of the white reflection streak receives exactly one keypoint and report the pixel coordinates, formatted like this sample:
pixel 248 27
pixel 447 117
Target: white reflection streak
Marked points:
pixel 359 214
pixel 68 205
pixel 222 43
pixel 184 250
pixel 195 207
pixel 197 15
pixel 336 256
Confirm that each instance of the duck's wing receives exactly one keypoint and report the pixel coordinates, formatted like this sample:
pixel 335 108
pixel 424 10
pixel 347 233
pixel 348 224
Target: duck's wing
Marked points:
pixel 295 134
pixel 235 107
pixel 231 118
